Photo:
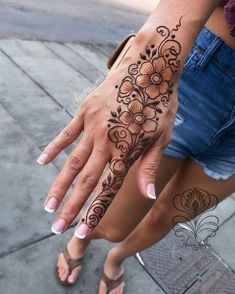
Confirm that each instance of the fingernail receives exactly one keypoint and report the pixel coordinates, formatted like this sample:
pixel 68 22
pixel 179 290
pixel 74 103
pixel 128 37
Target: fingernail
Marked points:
pixel 81 231
pixel 51 205
pixel 58 226
pixel 42 159
pixel 151 191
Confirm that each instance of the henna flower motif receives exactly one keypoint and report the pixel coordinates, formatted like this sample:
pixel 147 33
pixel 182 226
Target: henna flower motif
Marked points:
pixel 126 87
pixel 119 167
pixel 139 117
pixel 155 77
pixel 127 92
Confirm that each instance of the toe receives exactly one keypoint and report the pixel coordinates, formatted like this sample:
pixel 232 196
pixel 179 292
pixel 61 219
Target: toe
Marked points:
pixel 74 275
pixel 119 289
pixel 59 263
pixel 102 288
pixel 63 275
pixel 63 268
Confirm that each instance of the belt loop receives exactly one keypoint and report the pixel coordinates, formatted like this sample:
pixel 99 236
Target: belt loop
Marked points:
pixel 201 64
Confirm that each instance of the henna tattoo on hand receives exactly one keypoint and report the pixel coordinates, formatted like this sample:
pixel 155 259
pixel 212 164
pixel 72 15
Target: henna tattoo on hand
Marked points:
pixel 193 225
pixel 142 96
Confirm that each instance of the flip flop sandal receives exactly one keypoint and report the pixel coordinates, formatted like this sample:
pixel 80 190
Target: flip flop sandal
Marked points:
pixel 72 263
pixel 111 283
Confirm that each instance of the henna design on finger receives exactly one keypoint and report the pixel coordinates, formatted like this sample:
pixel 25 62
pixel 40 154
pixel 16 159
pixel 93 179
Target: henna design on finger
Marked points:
pixel 141 96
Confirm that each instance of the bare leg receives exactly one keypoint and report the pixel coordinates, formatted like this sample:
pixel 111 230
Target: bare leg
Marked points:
pixel 123 209
pixel 158 222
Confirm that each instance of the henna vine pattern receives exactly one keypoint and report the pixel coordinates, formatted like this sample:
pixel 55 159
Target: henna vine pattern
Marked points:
pixel 142 96
pixel 194 225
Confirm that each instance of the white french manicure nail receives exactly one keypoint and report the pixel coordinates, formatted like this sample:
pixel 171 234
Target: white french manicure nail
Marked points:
pixel 42 159
pixel 51 205
pixel 81 231
pixel 151 191
pixel 76 234
pixel 58 226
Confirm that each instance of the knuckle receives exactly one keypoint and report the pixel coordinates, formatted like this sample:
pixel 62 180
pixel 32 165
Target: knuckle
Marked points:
pixel 150 169
pixel 75 163
pixel 93 112
pixel 66 134
pixel 87 182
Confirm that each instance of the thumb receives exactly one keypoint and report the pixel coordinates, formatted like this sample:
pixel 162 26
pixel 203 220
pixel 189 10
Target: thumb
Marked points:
pixel 148 171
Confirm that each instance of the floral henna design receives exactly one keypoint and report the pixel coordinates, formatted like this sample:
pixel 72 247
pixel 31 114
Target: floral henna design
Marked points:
pixel 142 96
pixel 155 77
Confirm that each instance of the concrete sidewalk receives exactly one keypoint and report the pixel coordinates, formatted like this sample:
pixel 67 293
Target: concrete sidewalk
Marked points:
pixel 99 21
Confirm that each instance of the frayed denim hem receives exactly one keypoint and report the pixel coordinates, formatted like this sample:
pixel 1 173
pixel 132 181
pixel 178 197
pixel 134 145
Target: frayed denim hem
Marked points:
pixel 213 174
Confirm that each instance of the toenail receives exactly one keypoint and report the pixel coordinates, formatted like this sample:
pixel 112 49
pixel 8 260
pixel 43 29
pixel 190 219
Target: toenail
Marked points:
pixel 70 280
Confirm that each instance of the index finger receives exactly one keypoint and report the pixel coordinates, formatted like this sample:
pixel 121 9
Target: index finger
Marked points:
pixel 64 139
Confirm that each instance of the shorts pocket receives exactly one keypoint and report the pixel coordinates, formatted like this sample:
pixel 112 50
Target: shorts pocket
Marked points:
pixel 193 57
pixel 178 120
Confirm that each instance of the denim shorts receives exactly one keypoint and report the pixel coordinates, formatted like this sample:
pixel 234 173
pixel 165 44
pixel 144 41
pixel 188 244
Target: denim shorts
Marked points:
pixel 204 126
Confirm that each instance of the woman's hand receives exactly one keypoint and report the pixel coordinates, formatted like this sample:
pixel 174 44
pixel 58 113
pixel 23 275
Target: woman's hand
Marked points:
pixel 129 115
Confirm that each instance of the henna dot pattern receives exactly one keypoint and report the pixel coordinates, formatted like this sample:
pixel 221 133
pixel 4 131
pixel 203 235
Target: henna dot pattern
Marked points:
pixel 143 95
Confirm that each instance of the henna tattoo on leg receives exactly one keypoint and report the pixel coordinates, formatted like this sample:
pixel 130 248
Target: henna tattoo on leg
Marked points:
pixel 142 96
pixel 193 221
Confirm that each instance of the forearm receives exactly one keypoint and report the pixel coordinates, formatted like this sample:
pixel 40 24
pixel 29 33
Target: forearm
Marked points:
pixel 193 15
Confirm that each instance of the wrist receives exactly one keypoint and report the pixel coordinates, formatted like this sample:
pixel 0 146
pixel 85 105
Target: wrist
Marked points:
pixel 162 41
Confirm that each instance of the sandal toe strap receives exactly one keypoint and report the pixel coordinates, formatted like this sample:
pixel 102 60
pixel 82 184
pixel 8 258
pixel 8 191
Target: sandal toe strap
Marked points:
pixel 110 283
pixel 72 262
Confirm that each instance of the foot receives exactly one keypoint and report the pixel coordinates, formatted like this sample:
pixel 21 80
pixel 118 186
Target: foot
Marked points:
pixel 113 271
pixel 76 249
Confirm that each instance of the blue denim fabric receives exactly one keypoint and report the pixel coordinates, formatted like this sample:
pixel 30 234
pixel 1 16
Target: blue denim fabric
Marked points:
pixel 204 127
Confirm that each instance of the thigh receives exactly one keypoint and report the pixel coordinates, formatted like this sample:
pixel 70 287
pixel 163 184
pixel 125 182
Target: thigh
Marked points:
pixel 129 206
pixel 190 192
